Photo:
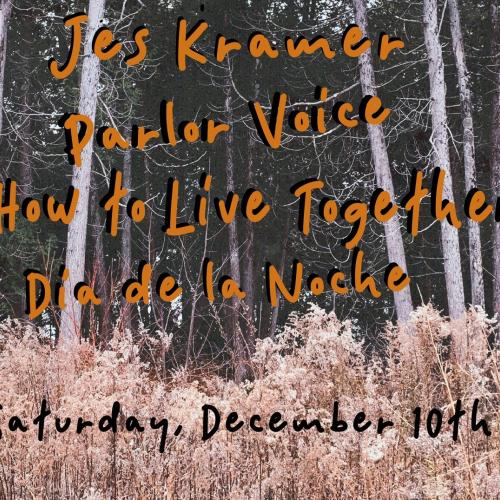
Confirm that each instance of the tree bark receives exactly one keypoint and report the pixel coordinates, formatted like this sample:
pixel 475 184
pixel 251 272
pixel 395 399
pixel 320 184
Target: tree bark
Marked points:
pixel 249 255
pixel 394 240
pixel 275 310
pixel 77 232
pixel 239 347
pixel 26 148
pixel 441 156
pixel 474 232
pixel 157 306
pixel 249 264
pixel 495 148
pixel 5 12
pixel 126 240
pixel 101 277
pixel 26 179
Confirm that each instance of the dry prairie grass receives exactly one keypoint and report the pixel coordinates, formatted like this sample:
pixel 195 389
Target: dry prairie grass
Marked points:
pixel 315 361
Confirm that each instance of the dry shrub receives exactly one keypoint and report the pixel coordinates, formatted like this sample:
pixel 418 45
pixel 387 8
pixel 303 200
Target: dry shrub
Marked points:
pixel 315 361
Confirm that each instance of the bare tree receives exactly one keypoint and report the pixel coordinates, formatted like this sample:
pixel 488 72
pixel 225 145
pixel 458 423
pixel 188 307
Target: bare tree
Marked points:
pixel 234 254
pixel 249 255
pixel 5 12
pixel 126 239
pixel 77 232
pixel 393 238
pixel 100 275
pixel 441 155
pixel 25 137
pixel 284 251
pixel 26 148
pixel 475 257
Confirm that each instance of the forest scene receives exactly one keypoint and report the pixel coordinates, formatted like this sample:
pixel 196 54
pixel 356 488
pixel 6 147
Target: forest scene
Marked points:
pixel 284 209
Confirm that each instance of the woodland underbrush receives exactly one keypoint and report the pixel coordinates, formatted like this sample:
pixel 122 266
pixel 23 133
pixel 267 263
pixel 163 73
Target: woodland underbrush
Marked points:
pixel 430 364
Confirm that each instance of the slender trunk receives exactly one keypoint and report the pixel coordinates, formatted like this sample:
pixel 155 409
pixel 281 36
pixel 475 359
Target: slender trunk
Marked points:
pixel 475 257
pixel 248 269
pixel 394 240
pixel 157 306
pixel 239 350
pixel 275 311
pixel 5 12
pixel 101 276
pixel 77 232
pixel 441 156
pixel 26 179
pixel 26 148
pixel 194 302
pixel 249 256
pixel 126 239
pixel 25 184
pixel 495 147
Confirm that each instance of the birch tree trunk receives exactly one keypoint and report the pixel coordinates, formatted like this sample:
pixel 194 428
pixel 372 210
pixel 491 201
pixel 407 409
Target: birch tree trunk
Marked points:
pixel 495 147
pixel 5 12
pixel 441 157
pixel 126 239
pixel 71 316
pixel 249 255
pixel 239 350
pixel 393 238
pixel 475 257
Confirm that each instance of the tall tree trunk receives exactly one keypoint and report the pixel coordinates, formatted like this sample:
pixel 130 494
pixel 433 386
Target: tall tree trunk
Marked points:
pixel 25 181
pixel 495 147
pixel 475 257
pixel 5 12
pixel 77 232
pixel 26 148
pixel 394 240
pixel 284 250
pixel 441 155
pixel 249 255
pixel 126 239
pixel 239 349
pixel 194 303
pixel 249 263
pixel 101 276
pixel 157 306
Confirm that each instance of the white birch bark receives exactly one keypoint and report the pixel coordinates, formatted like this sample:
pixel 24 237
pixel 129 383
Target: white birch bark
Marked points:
pixel 71 316
pixel 475 257
pixel 126 239
pixel 5 12
pixel 394 240
pixel 441 157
